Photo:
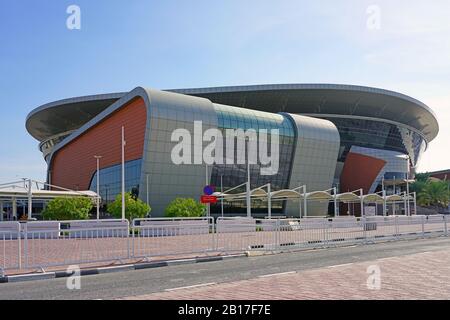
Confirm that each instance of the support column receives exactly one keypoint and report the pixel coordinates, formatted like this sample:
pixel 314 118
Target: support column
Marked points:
pixel 362 203
pixel 30 200
pixel 305 204
pixel 384 204
pixel 14 208
pixel 415 203
pixel 269 201
pixel 335 202
pixel 405 204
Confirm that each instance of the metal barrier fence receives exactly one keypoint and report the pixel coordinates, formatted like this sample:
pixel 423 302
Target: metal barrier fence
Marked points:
pixel 42 244
pixel 167 237
pixel 10 246
pixel 74 242
pixel 241 234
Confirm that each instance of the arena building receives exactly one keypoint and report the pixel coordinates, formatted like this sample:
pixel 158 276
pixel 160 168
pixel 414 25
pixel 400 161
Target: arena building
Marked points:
pixel 346 136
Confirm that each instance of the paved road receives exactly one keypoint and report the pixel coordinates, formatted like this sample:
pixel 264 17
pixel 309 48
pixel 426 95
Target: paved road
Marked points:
pixel 144 282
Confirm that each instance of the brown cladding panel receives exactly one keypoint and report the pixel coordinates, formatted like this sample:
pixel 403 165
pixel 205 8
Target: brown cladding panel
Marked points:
pixel 360 171
pixel 73 165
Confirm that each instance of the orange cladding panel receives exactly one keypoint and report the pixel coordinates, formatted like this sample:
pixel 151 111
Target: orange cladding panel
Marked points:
pixel 360 171
pixel 74 165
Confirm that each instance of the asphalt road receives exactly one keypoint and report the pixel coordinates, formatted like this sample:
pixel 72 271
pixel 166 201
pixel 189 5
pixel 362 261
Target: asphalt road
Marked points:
pixel 130 283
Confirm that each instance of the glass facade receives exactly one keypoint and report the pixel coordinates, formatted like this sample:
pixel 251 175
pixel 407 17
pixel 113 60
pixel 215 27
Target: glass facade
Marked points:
pixel 236 174
pixel 378 135
pixel 110 180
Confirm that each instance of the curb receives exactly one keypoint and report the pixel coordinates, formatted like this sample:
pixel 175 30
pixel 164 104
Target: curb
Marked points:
pixel 120 268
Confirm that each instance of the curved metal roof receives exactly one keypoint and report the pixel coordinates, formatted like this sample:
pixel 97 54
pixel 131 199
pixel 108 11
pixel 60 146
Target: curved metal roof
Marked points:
pixel 311 99
pixel 65 115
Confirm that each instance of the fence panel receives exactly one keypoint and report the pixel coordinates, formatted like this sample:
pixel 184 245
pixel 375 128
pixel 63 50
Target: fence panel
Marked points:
pixel 166 237
pixel 380 228
pixel 436 225
pixel 244 234
pixel 10 246
pixel 74 242
pixel 302 233
pixel 409 226
pixel 345 230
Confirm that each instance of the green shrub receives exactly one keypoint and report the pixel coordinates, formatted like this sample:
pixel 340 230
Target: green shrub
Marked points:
pixel 76 208
pixel 134 207
pixel 185 207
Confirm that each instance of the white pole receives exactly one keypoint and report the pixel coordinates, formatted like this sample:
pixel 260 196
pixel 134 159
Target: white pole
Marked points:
pixel 335 202
pixel 123 173
pixel 221 191
pixel 384 203
pixel 405 204
pixel 363 214
pixel 305 204
pixel 394 186
pixel 98 186
pixel 30 200
pixel 269 201
pixel 249 209
pixel 14 208
pixel 208 206
pixel 407 192
pixel 415 203
pixel 146 188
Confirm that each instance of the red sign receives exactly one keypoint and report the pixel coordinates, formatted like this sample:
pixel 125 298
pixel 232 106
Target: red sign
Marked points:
pixel 208 199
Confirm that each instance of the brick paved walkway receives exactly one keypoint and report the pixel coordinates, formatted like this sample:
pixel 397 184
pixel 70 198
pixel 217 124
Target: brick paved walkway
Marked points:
pixel 418 276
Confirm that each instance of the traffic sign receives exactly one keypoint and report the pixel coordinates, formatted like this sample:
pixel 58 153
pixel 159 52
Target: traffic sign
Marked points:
pixel 209 190
pixel 208 199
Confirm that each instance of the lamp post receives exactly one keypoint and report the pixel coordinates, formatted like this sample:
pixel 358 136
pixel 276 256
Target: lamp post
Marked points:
pixel 248 197
pixel 98 185
pixel 208 206
pixel 221 191
pixel 123 173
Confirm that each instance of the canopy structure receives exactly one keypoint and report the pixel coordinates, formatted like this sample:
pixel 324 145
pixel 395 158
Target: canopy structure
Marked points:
pixel 29 190
pixel 300 194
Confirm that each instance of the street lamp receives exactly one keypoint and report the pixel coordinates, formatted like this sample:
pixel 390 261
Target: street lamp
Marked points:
pixel 98 185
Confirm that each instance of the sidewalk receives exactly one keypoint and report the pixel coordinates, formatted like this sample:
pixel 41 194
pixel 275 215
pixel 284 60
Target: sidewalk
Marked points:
pixel 418 276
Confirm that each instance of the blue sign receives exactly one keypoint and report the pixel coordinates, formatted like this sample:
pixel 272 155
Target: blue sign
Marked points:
pixel 208 190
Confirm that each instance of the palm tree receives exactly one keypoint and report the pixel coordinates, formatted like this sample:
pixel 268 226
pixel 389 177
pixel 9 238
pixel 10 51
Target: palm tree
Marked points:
pixel 434 193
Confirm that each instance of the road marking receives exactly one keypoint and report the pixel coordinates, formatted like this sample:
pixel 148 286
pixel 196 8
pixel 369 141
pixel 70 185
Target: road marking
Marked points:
pixel 277 274
pixel 341 265
pixel 191 287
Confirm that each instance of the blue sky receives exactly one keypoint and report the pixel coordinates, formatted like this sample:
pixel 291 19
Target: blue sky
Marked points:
pixel 181 44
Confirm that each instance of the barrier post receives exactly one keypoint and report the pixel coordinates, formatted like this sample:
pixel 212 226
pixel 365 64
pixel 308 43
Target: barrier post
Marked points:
pixel 396 227
pixel 445 225
pixel 364 224
pixel 213 235
pixel 278 235
pixel 25 244
pixel 128 239
pixel 19 242
pixel 423 226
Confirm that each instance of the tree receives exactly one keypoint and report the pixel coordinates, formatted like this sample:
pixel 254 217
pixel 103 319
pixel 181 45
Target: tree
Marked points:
pixel 76 208
pixel 134 207
pixel 434 193
pixel 185 207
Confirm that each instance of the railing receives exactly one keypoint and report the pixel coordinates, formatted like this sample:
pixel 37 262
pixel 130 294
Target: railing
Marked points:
pixel 49 243
pixel 10 246
pixel 239 234
pixel 167 237
pixel 43 244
